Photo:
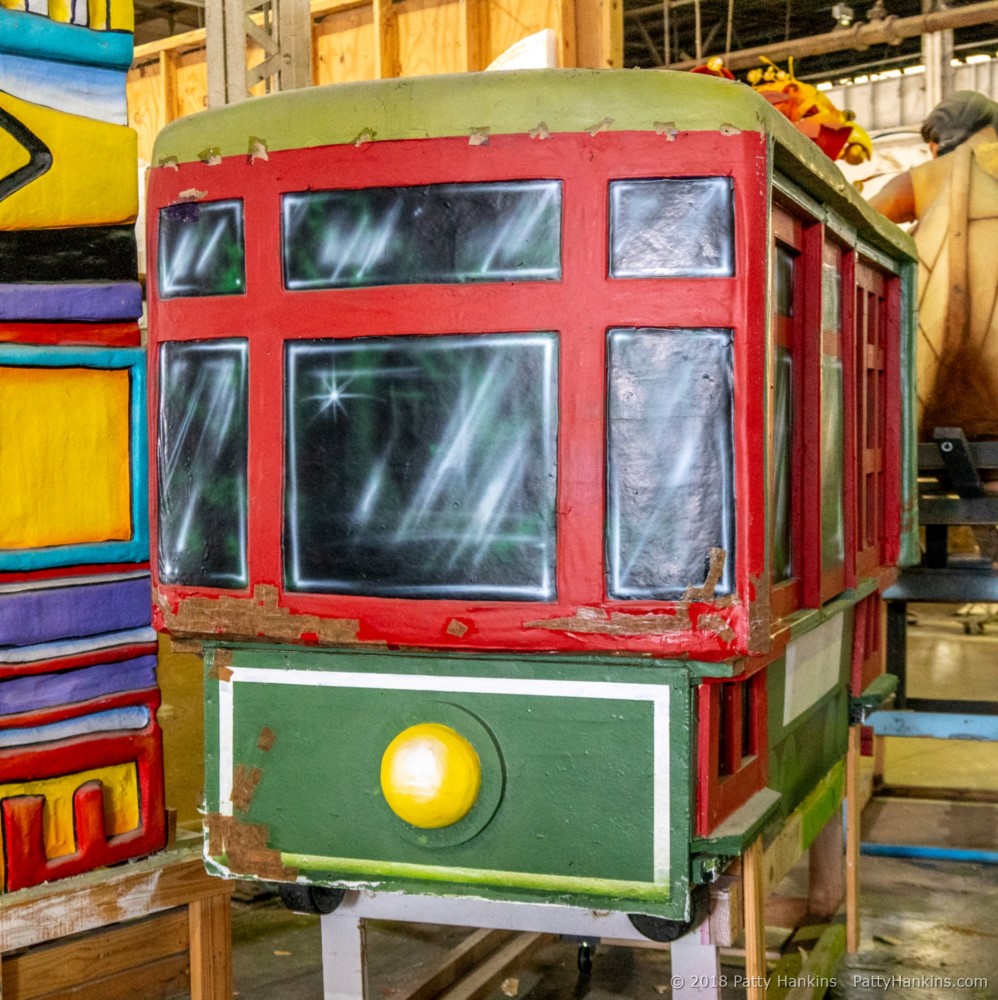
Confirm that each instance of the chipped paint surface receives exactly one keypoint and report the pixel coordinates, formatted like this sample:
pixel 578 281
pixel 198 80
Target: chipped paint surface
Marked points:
pixel 260 616
pixel 705 592
pixel 244 845
pixel 245 781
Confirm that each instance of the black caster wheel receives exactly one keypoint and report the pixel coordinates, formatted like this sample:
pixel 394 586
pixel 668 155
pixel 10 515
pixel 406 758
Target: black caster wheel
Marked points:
pixel 663 930
pixel 584 959
pixel 312 899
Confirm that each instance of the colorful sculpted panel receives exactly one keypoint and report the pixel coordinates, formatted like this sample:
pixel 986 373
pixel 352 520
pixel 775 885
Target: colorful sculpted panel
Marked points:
pixel 81 772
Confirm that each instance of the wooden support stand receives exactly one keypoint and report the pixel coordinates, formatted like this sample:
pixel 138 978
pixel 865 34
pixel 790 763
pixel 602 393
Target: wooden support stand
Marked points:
pixel 139 929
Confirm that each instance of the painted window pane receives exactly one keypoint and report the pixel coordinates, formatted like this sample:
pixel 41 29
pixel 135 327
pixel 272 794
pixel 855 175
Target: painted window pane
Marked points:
pixel 201 249
pixel 672 227
pixel 783 435
pixel 832 520
pixel 422 466
pixel 201 457
pixel 670 467
pixel 784 281
pixel 831 296
pixel 434 234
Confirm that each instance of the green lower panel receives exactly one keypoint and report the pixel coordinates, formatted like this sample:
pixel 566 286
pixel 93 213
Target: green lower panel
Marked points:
pixel 585 772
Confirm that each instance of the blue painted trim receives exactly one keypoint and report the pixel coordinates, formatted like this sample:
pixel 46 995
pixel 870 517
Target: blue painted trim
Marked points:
pixel 136 549
pixel 36 35
pixel 114 720
pixel 930 853
pixel 935 725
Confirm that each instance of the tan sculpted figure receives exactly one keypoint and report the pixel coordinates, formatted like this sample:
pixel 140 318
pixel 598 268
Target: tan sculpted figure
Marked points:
pixel 954 198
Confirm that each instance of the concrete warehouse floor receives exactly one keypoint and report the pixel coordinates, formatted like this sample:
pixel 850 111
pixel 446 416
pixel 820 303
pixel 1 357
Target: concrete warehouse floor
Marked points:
pixel 920 919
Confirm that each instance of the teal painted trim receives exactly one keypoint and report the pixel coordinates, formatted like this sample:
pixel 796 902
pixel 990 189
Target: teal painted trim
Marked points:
pixel 742 827
pixel 882 260
pixel 723 671
pixel 135 549
pixel 910 553
pixel 929 853
pixel 543 666
pixel 876 695
pixel 37 36
pixel 935 725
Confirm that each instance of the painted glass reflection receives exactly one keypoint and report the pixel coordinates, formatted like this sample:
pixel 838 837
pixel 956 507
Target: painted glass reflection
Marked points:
pixel 201 249
pixel 438 233
pixel 832 521
pixel 201 458
pixel 672 227
pixel 831 295
pixel 783 436
pixel 670 466
pixel 784 281
pixel 422 466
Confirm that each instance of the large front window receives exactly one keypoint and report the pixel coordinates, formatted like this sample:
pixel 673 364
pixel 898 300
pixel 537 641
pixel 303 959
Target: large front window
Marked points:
pixel 422 466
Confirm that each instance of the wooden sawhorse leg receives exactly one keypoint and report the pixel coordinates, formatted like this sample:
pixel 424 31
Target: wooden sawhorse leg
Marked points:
pixel 210 930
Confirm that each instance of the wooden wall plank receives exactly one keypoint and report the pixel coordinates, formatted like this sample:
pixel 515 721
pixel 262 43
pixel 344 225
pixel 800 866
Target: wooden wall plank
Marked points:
pixel 372 39
pixel 154 981
pixel 430 37
pixel 62 966
pixel 345 45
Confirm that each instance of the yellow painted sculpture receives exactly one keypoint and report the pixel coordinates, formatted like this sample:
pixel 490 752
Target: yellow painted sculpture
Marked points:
pixel 954 198
pixel 812 113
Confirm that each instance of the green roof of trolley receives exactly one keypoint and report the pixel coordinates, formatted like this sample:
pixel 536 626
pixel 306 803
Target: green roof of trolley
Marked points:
pixel 509 103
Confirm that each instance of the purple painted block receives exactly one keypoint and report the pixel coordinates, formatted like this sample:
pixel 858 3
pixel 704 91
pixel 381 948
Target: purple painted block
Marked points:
pixel 29 616
pixel 27 694
pixel 71 301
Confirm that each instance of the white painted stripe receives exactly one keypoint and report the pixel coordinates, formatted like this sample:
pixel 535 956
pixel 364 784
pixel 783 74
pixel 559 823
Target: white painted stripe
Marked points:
pixel 225 766
pixel 657 694
pixel 814 665
pixel 604 691
pixel 662 831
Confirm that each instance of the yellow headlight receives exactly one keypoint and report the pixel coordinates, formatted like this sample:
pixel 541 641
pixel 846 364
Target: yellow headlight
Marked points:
pixel 430 775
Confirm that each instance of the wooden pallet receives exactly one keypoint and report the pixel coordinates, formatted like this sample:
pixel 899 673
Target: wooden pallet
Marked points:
pixel 150 928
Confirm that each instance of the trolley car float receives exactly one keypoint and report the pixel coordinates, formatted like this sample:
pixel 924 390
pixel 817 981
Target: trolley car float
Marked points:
pixel 530 452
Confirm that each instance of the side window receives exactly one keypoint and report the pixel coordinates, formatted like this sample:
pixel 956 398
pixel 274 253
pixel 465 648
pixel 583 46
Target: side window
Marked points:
pixel 434 234
pixel 871 402
pixel 672 227
pixel 787 377
pixel 422 466
pixel 832 433
pixel 670 462
pixel 201 249
pixel 201 458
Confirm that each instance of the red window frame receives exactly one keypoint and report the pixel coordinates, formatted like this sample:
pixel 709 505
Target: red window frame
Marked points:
pixel 581 307
pixel 786 595
pixel 729 772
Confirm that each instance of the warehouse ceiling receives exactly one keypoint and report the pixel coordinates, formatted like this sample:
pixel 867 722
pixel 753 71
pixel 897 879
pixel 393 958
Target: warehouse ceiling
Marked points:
pixel 747 24
pixel 723 25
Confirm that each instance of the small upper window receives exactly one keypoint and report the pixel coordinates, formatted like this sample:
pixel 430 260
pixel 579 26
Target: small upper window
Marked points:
pixel 201 249
pixel 672 227
pixel 434 234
